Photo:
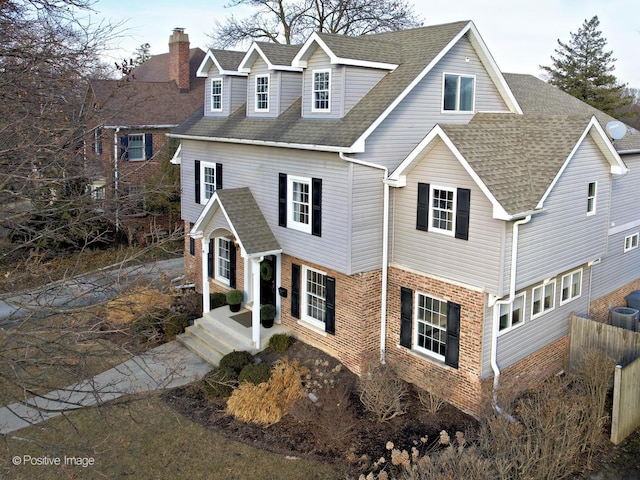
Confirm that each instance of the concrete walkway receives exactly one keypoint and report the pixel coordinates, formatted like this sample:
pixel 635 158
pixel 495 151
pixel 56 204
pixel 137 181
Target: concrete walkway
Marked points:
pixel 167 366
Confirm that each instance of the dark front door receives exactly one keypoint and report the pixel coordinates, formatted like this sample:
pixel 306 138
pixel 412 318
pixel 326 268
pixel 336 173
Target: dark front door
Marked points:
pixel 268 280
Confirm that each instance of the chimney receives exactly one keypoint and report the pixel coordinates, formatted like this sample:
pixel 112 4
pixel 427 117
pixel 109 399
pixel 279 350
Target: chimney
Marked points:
pixel 179 59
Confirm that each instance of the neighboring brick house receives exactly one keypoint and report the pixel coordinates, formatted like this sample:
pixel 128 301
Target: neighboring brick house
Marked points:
pixel 409 201
pixel 128 121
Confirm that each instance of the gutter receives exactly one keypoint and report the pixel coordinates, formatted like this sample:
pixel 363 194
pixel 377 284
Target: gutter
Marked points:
pixel 115 175
pixel 385 250
pixel 496 311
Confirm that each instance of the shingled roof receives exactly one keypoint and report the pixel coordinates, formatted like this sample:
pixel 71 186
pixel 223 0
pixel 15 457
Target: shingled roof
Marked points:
pixel 417 47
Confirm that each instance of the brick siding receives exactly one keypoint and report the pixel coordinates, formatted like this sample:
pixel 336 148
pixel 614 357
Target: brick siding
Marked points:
pixel 599 309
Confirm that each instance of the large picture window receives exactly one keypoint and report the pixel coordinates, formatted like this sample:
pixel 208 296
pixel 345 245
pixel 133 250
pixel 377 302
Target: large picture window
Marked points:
pixel 458 93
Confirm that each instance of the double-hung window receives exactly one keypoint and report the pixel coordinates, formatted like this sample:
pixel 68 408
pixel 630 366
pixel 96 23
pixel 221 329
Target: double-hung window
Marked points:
pixel 512 314
pixel 208 180
pixel 262 93
pixel 315 296
pixel 136 146
pixel 431 326
pixel 216 95
pixel 592 190
pixel 571 286
pixel 321 90
pixel 442 210
pixel 631 242
pixel 543 298
pixel 223 259
pixel 299 192
pixel 458 93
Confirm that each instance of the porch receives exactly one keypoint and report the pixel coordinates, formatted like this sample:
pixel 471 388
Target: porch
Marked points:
pixel 221 331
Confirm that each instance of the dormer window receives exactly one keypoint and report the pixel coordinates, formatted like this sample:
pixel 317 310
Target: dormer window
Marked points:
pixel 262 93
pixel 321 86
pixel 458 93
pixel 216 94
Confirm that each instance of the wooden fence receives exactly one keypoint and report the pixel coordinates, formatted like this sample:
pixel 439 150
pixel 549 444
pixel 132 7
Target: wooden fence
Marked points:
pixel 624 346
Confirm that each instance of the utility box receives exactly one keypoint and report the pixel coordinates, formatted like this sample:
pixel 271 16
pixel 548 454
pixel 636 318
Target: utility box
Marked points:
pixel 633 300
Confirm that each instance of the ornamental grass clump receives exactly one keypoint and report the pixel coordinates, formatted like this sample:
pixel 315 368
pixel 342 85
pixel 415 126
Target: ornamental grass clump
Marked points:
pixel 266 403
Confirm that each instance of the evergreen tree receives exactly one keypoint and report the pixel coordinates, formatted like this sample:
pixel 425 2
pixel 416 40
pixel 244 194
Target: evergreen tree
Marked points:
pixel 584 69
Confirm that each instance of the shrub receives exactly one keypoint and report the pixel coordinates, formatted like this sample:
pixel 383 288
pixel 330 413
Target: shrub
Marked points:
pixel 236 360
pixel 175 324
pixel 430 401
pixel 267 312
pixel 255 373
pixel 268 402
pixel 279 342
pixel 189 303
pixel 219 382
pixel 217 299
pixel 148 328
pixel 234 297
pixel 382 391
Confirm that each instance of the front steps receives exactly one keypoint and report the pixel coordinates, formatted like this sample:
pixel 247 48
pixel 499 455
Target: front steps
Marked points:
pixel 215 335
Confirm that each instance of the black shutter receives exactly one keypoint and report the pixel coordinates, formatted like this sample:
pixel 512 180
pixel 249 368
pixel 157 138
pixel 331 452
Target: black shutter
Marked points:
pixel 316 207
pixel 124 145
pixel 212 249
pixel 148 146
pixel 99 141
pixel 192 241
pixel 406 316
pixel 422 221
pixel 453 335
pixel 330 306
pixel 282 200
pixel 197 180
pixel 463 205
pixel 232 265
pixel 218 176
pixel 295 290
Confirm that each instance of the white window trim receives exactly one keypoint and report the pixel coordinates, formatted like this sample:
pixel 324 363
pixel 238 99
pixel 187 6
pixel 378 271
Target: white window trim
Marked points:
pixel 595 199
pixel 144 147
pixel 415 345
pixel 203 189
pixel 457 110
pixel 216 266
pixel 442 231
pixel 570 277
pixel 313 322
pixel 511 325
pixel 211 94
pixel 631 242
pixel 267 76
pixel 313 91
pixel 291 223
pixel 533 296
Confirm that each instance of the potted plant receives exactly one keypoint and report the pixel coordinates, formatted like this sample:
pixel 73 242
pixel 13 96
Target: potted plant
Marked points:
pixel 267 315
pixel 234 299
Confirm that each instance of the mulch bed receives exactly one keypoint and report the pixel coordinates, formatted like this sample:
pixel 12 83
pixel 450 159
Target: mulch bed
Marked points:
pixel 349 437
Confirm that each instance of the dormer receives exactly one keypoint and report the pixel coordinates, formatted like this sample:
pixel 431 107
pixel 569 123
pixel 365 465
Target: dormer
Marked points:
pixel 226 86
pixel 273 84
pixel 339 71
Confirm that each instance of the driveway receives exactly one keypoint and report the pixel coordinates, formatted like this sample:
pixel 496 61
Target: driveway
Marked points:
pixel 83 290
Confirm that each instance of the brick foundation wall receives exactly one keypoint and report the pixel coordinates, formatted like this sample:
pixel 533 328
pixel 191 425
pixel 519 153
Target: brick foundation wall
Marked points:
pixel 462 387
pixel 599 309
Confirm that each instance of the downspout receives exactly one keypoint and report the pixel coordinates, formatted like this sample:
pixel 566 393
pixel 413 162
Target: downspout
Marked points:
pixel 115 176
pixel 385 249
pixel 496 311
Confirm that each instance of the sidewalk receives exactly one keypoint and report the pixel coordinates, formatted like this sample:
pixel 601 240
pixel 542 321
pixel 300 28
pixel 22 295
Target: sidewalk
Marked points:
pixel 167 366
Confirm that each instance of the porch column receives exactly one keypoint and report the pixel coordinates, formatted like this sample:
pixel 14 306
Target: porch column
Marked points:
pixel 255 309
pixel 206 306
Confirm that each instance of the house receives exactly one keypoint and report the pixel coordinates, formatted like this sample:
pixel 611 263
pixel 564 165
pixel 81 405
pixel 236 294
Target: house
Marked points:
pixel 127 124
pixel 397 196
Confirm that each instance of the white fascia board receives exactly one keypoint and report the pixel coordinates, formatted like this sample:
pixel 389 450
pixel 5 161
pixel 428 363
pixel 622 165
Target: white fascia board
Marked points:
pixel 299 60
pixel 177 156
pixel 250 58
pixel 297 146
pixel 210 208
pixel 617 166
pixel 138 127
pixel 437 133
pixel 208 61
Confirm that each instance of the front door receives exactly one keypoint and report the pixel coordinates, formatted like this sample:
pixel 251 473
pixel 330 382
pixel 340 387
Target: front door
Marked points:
pixel 268 280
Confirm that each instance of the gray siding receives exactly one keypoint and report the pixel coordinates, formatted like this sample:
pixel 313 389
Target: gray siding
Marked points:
pixel 238 92
pixel 532 335
pixel 259 67
pixel 476 262
pixel 358 81
pixel 421 110
pixel 320 61
pixel 563 236
pixel 290 87
pixel 625 194
pixel 258 168
pixel 234 94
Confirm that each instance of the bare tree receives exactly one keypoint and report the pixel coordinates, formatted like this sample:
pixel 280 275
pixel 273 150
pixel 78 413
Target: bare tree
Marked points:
pixel 291 22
